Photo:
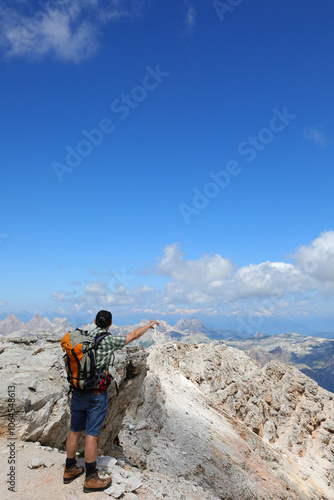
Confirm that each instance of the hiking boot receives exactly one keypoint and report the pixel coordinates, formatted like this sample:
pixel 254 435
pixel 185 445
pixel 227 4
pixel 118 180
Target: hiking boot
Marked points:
pixel 72 473
pixel 95 483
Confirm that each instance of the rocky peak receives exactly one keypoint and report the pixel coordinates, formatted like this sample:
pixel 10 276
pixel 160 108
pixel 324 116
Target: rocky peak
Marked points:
pixel 59 321
pixel 14 327
pixel 291 335
pixel 259 335
pixel 38 323
pixel 10 324
pixel 60 326
pixel 192 324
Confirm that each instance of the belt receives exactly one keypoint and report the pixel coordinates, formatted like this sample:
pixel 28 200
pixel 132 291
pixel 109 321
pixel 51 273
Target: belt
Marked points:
pixel 96 391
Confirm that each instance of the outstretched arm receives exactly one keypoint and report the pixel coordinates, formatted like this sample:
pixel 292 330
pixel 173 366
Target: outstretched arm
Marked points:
pixel 140 331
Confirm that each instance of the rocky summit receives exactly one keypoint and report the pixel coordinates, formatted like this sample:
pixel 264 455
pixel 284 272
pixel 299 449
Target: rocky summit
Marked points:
pixel 195 421
pixel 237 429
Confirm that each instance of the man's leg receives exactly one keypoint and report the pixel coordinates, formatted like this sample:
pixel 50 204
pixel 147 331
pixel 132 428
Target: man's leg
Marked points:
pixel 96 414
pixel 72 443
pixel 78 421
pixel 91 454
pixel 91 448
pixel 71 471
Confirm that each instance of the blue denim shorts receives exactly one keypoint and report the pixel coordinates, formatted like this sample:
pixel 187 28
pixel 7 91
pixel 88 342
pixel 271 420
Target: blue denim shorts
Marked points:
pixel 88 411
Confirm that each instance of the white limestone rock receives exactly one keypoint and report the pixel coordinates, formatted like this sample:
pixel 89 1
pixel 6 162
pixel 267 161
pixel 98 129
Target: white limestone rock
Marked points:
pixel 132 483
pixel 210 412
pixel 35 463
pixel 106 463
pixel 115 490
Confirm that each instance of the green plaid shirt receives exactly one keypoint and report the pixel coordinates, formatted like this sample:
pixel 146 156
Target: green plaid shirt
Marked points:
pixel 106 348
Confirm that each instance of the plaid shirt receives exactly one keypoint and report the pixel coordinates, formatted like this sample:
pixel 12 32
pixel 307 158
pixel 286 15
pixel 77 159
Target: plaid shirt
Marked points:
pixel 106 348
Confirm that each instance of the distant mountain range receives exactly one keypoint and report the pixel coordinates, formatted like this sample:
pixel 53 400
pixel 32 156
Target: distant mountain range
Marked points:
pixel 185 330
pixel 236 326
pixel 314 356
pixel 12 326
pixel 195 325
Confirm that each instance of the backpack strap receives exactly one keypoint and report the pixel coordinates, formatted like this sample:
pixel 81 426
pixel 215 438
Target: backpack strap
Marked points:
pixel 98 337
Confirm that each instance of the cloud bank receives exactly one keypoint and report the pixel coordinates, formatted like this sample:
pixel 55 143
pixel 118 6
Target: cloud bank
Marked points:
pixel 212 284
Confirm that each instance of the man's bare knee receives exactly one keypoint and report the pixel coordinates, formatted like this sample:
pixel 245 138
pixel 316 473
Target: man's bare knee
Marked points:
pixel 88 436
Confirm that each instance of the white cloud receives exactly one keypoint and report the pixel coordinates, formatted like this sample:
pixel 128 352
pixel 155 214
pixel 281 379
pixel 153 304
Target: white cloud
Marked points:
pixel 97 294
pixel 62 296
pixel 67 29
pixel 212 280
pixel 265 280
pixel 167 311
pixel 2 303
pixel 315 135
pixel 202 271
pixel 212 285
pixel 268 279
pixel 59 297
pixel 317 258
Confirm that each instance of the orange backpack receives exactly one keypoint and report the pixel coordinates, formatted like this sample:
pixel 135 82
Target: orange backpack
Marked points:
pixel 80 360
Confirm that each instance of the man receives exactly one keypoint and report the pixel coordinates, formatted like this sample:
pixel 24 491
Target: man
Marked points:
pixel 89 407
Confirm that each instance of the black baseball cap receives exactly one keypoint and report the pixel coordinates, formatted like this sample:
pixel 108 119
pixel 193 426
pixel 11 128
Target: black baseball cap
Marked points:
pixel 103 318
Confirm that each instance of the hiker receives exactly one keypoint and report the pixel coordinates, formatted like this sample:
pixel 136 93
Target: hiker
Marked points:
pixel 89 406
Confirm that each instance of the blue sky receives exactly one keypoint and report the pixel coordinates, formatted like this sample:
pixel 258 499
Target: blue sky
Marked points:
pixel 167 159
